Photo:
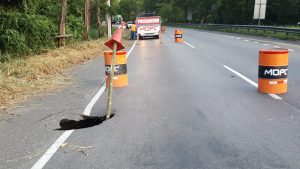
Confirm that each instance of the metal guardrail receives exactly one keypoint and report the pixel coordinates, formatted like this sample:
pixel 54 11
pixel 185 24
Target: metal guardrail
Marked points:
pixel 248 27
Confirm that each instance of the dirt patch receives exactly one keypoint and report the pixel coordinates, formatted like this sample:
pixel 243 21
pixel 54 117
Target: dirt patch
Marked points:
pixel 26 77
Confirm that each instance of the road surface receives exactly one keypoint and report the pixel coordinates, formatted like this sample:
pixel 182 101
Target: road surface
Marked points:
pixel 187 106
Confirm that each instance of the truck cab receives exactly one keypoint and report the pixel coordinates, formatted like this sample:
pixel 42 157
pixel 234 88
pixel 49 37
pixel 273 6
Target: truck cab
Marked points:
pixel 148 26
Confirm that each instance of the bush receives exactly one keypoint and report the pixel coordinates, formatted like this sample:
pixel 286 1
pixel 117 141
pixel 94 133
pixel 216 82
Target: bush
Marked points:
pixel 33 32
pixel 13 41
pixel 74 26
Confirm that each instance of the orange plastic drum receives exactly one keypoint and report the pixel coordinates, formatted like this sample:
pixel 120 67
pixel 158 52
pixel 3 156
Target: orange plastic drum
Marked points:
pixel 120 69
pixel 178 36
pixel 273 71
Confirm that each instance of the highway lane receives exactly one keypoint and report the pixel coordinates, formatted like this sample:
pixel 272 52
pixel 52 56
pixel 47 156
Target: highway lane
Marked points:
pixel 183 109
pixel 241 52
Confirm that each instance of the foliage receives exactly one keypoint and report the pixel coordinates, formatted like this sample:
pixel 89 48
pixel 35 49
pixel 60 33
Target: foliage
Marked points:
pixel 279 12
pixel 129 9
pixel 30 26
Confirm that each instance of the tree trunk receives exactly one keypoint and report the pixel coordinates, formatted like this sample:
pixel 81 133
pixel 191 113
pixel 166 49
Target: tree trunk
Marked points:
pixel 99 19
pixel 86 19
pixel 62 29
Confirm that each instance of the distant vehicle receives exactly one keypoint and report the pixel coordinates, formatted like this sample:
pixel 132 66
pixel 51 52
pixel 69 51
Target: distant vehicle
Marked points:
pixel 128 24
pixel 148 26
pixel 117 19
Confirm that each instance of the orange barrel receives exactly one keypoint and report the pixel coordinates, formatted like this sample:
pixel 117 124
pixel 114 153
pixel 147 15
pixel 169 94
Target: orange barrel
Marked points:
pixel 178 35
pixel 120 69
pixel 163 29
pixel 273 71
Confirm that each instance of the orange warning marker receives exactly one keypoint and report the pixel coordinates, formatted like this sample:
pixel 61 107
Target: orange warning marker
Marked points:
pixel 273 71
pixel 120 78
pixel 178 36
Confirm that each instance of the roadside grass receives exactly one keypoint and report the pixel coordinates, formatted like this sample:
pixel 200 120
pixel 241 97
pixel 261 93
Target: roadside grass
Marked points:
pixel 22 78
pixel 268 34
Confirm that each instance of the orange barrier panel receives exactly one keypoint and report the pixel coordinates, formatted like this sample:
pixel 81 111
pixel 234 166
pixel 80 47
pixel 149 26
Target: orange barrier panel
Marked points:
pixel 120 69
pixel 178 36
pixel 273 71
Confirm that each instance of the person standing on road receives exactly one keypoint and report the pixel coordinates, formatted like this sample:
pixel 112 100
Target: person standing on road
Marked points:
pixel 133 32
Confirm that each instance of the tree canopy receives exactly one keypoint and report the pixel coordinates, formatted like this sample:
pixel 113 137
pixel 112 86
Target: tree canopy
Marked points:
pixel 279 12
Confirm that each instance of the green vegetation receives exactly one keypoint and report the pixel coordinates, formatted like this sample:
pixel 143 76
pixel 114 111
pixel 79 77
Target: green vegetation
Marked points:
pixel 30 26
pixel 279 12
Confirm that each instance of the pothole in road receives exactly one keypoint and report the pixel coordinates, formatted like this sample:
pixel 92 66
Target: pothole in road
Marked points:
pixel 85 122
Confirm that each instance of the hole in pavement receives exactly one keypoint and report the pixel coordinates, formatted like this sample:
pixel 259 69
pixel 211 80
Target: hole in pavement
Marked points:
pixel 85 122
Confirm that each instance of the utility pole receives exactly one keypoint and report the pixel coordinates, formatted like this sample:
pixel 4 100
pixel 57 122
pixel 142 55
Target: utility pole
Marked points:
pixel 108 21
pixel 86 19
pixel 62 29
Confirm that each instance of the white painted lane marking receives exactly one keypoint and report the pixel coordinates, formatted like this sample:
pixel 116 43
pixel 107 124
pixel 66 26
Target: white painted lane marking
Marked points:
pixel 88 108
pixel 274 96
pixel 133 46
pixel 185 42
pixel 54 147
pixel 189 45
pixel 276 47
pixel 50 152
pixel 246 40
pixel 256 42
pixel 238 38
pixel 291 50
pixel 253 39
pixel 266 44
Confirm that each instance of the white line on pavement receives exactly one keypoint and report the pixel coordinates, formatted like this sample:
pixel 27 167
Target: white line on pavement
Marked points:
pixel 54 147
pixel 185 43
pixel 291 50
pixel 266 44
pixel 274 96
pixel 190 45
pixel 276 47
pixel 246 40
pixel 256 42
pixel 264 41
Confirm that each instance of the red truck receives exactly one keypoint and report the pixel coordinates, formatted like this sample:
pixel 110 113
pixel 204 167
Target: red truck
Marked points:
pixel 148 26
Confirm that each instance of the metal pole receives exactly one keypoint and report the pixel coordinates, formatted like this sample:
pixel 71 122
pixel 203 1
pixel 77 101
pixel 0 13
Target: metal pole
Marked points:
pixel 108 20
pixel 111 78
pixel 259 12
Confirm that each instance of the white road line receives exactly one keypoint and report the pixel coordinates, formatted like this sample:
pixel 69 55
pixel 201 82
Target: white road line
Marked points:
pixel 291 50
pixel 246 40
pixel 256 42
pixel 276 47
pixel 185 43
pixel 275 42
pixel 274 96
pixel 238 38
pixel 266 44
pixel 254 39
pixel 51 151
pixel 189 45
pixel 54 147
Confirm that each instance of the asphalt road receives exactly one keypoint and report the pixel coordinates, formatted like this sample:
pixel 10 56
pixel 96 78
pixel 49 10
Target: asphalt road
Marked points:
pixel 186 107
